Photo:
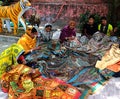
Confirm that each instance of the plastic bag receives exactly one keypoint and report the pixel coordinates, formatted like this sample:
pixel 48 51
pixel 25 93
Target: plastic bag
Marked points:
pixel 56 35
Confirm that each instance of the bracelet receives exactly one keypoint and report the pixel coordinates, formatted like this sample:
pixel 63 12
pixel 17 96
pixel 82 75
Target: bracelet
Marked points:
pixel 31 51
pixel 66 38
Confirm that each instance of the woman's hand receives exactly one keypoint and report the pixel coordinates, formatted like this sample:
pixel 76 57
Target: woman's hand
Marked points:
pixel 70 38
pixel 37 48
pixel 24 61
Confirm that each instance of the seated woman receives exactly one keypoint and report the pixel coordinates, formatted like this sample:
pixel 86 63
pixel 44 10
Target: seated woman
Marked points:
pixel 68 33
pixel 10 56
pixel 105 27
pixel 46 34
pixel 28 40
pixel 90 28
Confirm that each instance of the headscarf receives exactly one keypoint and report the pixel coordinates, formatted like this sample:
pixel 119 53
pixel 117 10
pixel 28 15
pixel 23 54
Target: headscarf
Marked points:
pixel 9 57
pixel 46 36
pixel 48 24
pixel 28 30
pixel 26 41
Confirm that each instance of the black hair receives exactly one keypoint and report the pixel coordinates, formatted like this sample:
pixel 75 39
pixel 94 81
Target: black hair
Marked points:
pixel 91 16
pixel 33 30
pixel 103 18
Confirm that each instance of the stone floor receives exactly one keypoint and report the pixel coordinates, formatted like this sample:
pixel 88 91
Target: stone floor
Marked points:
pixel 110 91
pixel 6 41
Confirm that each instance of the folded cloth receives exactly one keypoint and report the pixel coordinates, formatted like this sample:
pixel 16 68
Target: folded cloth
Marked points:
pixel 115 67
pixel 111 57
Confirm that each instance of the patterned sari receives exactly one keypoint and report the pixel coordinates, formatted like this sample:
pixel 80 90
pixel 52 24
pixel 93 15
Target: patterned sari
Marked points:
pixel 9 57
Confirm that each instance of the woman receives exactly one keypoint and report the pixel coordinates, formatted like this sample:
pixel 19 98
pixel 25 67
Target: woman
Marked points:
pixel 68 32
pixel 46 34
pixel 105 27
pixel 10 56
pixel 28 40
pixel 90 28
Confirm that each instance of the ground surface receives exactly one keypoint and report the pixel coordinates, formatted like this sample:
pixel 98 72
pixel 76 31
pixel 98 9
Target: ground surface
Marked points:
pixel 20 32
pixel 110 91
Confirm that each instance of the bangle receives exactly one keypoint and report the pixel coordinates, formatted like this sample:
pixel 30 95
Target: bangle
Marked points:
pixel 31 51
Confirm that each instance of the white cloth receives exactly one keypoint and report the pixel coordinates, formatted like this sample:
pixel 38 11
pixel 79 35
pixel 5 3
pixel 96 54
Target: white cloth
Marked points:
pixel 3 95
pixel 111 57
pixel 56 35
pixel 109 91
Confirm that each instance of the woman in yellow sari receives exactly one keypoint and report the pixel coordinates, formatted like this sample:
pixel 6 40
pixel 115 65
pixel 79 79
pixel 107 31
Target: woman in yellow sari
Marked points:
pixel 28 40
pixel 9 57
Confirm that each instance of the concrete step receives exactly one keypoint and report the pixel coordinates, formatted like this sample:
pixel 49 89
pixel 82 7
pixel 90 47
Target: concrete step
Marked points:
pixel 12 39
pixel 6 41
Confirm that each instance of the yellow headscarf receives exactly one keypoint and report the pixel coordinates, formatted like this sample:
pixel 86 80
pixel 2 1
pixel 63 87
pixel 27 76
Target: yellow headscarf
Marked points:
pixel 26 41
pixel 9 57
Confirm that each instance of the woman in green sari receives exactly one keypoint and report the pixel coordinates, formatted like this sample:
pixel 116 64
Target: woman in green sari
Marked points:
pixel 10 57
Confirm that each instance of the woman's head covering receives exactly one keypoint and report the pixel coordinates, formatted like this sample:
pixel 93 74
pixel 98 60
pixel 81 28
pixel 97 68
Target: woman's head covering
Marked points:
pixel 72 22
pixel 28 30
pixel 48 25
pixel 31 29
